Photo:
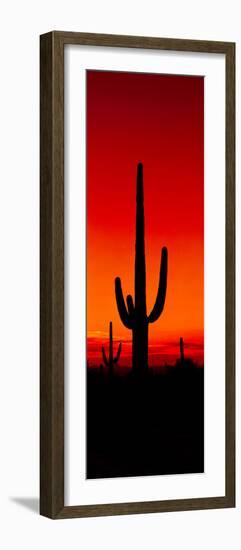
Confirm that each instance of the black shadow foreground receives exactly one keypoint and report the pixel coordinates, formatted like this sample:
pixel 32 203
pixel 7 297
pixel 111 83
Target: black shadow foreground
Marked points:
pixel 145 425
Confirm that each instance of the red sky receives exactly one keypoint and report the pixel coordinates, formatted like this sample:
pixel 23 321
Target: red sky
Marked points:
pixel 157 120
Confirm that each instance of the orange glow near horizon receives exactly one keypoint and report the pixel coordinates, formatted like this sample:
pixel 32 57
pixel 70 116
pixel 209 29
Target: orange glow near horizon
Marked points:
pixel 157 120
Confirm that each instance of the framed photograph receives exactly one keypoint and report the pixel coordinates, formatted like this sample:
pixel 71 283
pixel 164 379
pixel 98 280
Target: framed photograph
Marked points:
pixel 137 275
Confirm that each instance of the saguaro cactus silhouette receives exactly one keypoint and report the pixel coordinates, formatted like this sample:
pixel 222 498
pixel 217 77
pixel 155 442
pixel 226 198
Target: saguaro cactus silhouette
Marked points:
pixel 134 316
pixel 109 363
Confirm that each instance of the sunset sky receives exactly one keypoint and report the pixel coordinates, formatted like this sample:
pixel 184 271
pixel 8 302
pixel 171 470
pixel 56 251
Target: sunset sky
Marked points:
pixel 157 120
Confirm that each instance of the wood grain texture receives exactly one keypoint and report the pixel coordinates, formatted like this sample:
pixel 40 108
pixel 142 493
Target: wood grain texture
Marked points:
pixel 51 278
pixel 52 273
pixel 230 273
pixel 123 41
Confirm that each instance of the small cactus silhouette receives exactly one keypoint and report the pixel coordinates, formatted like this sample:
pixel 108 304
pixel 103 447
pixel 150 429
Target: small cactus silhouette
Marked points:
pixel 109 363
pixel 134 316
pixel 182 358
pixel 184 361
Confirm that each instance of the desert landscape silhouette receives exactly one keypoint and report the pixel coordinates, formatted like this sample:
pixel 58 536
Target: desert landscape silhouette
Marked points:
pixel 143 420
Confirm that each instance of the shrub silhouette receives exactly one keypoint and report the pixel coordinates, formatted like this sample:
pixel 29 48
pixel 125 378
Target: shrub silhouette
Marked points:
pixel 109 363
pixel 134 316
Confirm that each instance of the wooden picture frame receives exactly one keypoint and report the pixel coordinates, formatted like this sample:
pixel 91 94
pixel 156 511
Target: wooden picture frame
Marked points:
pixel 52 274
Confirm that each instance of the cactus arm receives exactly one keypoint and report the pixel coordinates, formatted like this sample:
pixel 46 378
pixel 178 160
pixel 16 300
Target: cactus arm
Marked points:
pixel 116 359
pixel 130 306
pixel 124 315
pixel 104 357
pixel 161 293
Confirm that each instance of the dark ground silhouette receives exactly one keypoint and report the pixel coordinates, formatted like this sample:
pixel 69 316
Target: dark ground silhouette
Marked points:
pixel 145 425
